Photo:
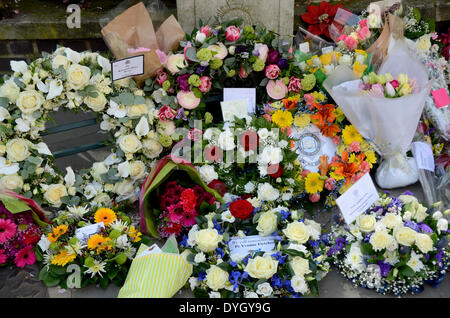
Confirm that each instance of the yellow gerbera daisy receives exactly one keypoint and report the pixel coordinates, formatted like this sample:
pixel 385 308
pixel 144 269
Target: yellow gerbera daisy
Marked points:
pixel 282 118
pixel 105 215
pixel 63 258
pixel 302 120
pixel 313 183
pixel 350 134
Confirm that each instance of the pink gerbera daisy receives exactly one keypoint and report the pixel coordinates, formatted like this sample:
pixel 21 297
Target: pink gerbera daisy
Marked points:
pixel 3 257
pixel 7 230
pixel 25 256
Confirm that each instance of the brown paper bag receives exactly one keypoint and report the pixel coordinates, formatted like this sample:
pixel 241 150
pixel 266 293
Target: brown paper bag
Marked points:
pixel 379 49
pixel 134 29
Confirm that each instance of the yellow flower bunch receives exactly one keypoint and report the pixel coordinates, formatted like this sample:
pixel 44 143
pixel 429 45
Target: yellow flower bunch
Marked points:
pixel 134 234
pixel 282 118
pixel 57 232
pixel 63 258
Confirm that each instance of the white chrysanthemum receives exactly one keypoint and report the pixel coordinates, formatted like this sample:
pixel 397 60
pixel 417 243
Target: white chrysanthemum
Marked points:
pixel 118 225
pixel 77 212
pixel 96 268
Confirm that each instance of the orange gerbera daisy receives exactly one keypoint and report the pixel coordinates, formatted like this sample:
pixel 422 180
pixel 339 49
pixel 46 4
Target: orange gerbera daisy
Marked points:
pixel 99 243
pixel 105 215
pixel 60 230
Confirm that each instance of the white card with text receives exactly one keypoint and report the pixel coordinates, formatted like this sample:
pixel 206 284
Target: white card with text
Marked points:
pixel 249 94
pixel 233 108
pixel 154 249
pixel 248 244
pixel 127 67
pixel 423 153
pixel 84 233
pixel 356 200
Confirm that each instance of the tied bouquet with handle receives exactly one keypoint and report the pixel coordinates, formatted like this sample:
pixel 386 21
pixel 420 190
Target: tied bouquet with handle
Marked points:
pixel 386 116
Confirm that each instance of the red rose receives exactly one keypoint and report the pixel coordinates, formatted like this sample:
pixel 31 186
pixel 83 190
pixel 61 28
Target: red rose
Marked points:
pixel 250 140
pixel 219 186
pixel 241 209
pixel 275 171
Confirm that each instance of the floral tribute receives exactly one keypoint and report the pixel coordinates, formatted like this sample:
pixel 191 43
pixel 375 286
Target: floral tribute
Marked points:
pixel 101 256
pixel 291 267
pixel 384 85
pixel 319 17
pixel 394 248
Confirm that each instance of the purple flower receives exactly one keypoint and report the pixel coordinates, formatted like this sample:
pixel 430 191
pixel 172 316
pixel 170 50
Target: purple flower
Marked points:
pixel 384 268
pixel 240 49
pixel 180 114
pixel 273 56
pixel 412 225
pixel 439 255
pixel 407 192
pixel 183 81
pixel 200 70
pixel 283 64
pixel 425 228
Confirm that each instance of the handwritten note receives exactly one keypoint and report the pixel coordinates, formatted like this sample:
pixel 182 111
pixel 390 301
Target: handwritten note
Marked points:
pixel 356 200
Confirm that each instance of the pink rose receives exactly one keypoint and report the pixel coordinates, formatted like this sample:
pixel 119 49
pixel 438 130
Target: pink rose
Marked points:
pixel 232 33
pixel 205 85
pixel 276 89
pixel 161 77
pixel 330 184
pixel 363 23
pixel 262 51
pixel 187 100
pixel 166 112
pixel 272 71
pixel 206 30
pixel 242 72
pixel 351 43
pixel 295 84
pixel 363 34
pixel 268 117
pixel 315 197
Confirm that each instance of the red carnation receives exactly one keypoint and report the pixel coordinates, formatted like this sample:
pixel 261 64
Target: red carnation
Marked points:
pixel 320 17
pixel 219 186
pixel 241 209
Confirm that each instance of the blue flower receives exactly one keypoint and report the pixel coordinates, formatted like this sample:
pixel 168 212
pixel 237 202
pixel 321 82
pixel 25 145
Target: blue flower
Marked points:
pixel 280 258
pixel 313 243
pixel 201 276
pixel 183 242
pixel 217 227
pixel 220 252
pixel 233 264
pixel 285 214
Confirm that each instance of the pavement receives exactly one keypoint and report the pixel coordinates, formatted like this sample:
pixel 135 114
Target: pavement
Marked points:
pixel 24 283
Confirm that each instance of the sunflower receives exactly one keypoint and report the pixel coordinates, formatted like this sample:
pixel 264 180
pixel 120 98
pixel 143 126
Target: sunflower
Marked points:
pixel 282 118
pixel 105 215
pixel 63 258
pixel 350 134
pixel 313 183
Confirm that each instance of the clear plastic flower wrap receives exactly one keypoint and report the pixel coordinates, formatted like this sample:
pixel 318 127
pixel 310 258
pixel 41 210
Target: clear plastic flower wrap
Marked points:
pixel 389 123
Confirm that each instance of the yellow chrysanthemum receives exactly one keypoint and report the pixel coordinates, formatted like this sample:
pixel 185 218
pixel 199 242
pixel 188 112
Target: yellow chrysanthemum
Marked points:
pixel 63 258
pixel 313 183
pixel 302 120
pixel 358 69
pixel 105 215
pixel 370 157
pixel 282 118
pixel 134 234
pixel 318 96
pixel 350 134
pixel 277 104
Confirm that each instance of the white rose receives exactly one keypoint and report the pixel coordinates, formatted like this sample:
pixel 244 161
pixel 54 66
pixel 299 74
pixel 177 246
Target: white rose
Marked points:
pixel 10 90
pixel 102 199
pixel 29 101
pixel 208 173
pixel 380 240
pixel 442 225
pixel 207 239
pixel 424 43
pixel 78 76
pixel 248 294
pixel 216 278
pixel 17 149
pixel 405 235
pixel 60 60
pixel 405 198
pixel 392 220
pixel 151 148
pixel 374 21
pixel 97 104
pixel 264 289
pixel 299 285
pixel 366 223
pixel 297 232
pixel 124 188
pixel 267 193
pixel 12 182
pixel 424 243
pixel 267 223
pixel 300 266
pixel 54 193
pixel 129 143
pixel 98 168
pixel 137 169
pixel 137 110
pixel 420 212
pixel 261 267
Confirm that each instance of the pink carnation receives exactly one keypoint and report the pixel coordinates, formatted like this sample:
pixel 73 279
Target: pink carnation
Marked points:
pixel 268 117
pixel 205 85
pixel 330 184
pixel 363 23
pixel 351 43
pixel 295 84
pixel 272 71
pixel 315 197
pixel 363 34
pixel 354 147
pixel 206 30
pixel 309 98
pixel 195 134
pixel 232 33
pixel 364 167
pixel 166 113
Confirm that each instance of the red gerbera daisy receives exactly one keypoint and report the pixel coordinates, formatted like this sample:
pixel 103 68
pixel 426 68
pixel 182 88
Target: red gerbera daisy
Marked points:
pixel 320 17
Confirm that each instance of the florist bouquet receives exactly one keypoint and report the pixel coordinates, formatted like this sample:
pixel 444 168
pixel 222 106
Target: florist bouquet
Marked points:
pixel 21 222
pixel 172 196
pixel 251 250
pixel 395 247
pixel 97 243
